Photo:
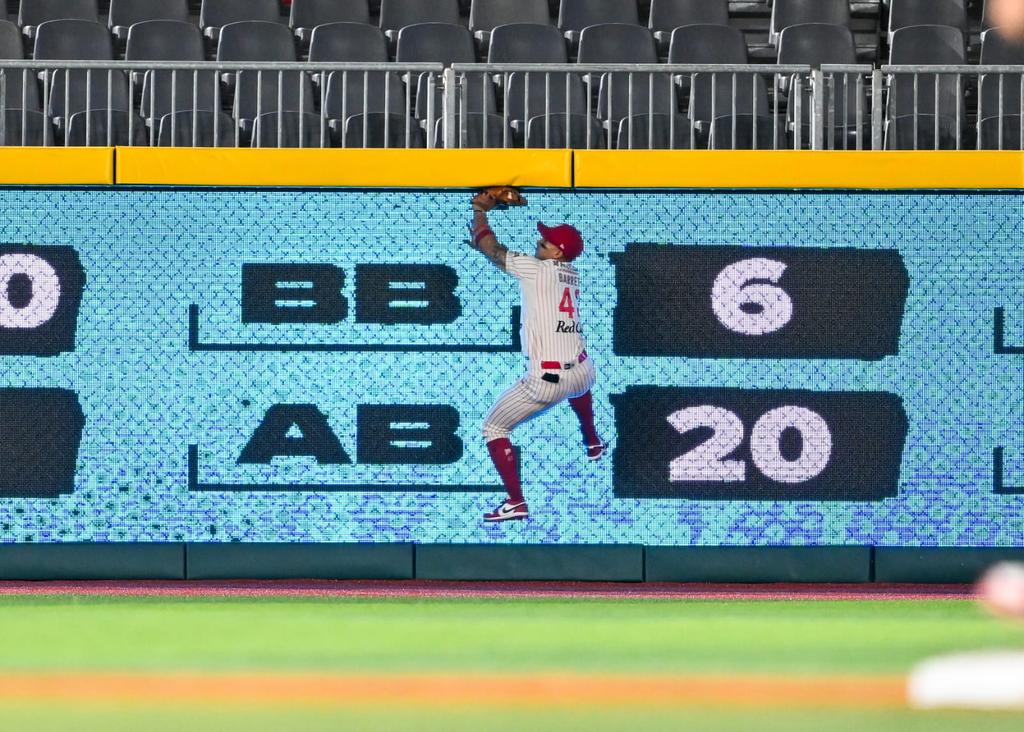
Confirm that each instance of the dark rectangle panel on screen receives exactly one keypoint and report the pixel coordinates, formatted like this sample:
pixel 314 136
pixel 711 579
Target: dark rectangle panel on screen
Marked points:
pixel 758 564
pixel 758 302
pixel 940 565
pixel 744 444
pixel 92 561
pixel 530 562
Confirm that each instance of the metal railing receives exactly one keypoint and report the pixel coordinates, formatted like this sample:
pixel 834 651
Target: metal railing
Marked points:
pixel 608 106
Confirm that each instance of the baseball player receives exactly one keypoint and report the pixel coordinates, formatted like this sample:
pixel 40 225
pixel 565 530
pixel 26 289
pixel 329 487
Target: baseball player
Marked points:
pixel 552 336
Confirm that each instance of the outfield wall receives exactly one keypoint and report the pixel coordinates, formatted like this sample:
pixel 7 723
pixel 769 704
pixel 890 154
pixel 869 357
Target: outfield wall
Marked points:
pixel 192 362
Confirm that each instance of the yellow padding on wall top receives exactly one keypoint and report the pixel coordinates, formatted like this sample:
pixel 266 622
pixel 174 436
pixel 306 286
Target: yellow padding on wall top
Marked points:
pixel 72 166
pixel 798 169
pixel 334 167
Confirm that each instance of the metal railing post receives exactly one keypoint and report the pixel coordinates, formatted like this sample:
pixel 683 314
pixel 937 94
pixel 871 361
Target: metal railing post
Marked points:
pixel 877 108
pixel 449 80
pixel 817 110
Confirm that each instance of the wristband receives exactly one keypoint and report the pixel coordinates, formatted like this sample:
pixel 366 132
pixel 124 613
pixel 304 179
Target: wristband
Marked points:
pixel 480 234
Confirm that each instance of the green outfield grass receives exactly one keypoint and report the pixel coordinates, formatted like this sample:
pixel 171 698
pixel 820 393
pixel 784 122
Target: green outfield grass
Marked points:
pixel 457 635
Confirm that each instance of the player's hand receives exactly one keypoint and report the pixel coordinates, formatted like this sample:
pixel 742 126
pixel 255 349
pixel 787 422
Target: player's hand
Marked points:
pixel 499 197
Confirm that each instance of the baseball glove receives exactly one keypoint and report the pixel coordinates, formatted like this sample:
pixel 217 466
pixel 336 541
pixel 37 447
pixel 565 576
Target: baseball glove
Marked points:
pixel 499 197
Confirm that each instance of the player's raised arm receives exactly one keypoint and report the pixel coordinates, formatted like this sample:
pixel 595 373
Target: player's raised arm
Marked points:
pixel 483 238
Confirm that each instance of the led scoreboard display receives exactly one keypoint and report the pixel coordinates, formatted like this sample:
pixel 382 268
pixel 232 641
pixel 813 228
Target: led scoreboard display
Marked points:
pixel 305 366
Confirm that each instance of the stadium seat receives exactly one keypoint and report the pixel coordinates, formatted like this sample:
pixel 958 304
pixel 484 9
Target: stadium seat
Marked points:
pixel 924 45
pixel 997 51
pixel 989 137
pixel 344 97
pixel 667 15
pixel 446 44
pixel 654 132
pixel 257 93
pixel 126 13
pixel 397 14
pixel 621 43
pixel 18 86
pixel 815 44
pixel 215 14
pixel 907 13
pixel 917 132
pixel 798 12
pixel 79 89
pixel 550 131
pixel 296 129
pixel 478 131
pixel 340 42
pixel 575 15
pixel 90 129
pixel 23 127
pixel 748 132
pixel 382 130
pixel 486 15
pixel 164 92
pixel 309 14
pixel 33 13
pixel 176 130
pixel 520 43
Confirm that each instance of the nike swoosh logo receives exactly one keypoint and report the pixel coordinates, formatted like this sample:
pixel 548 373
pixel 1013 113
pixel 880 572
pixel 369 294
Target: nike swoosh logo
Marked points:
pixel 505 510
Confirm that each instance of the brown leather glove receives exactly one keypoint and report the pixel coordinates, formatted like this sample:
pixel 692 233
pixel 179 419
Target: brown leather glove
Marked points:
pixel 499 197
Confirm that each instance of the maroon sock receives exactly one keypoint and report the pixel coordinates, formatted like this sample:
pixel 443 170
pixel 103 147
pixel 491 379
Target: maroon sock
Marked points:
pixel 584 407
pixel 504 457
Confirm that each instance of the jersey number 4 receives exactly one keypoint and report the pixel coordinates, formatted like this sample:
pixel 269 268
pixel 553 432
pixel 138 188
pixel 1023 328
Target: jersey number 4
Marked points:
pixel 567 305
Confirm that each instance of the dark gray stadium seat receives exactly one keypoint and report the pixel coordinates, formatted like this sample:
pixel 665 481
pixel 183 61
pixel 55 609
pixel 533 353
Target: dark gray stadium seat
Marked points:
pixel 257 92
pixel 395 134
pixel 339 42
pixel 215 14
pixel 622 43
pixel 525 99
pixel 309 14
pixel 478 131
pixel 797 12
pixel 297 129
pixel 654 132
pixel 344 97
pixel 176 130
pixel 33 13
pixel 667 15
pixel 397 14
pixel 923 45
pixel 126 13
pixel 18 87
pixel 997 51
pixel 23 128
pixel 170 40
pixel 989 137
pixel 748 132
pixel 486 15
pixel 575 15
pixel 90 129
pixel 910 132
pixel 907 13
pixel 815 44
pixel 80 40
pixel 527 43
pixel 550 131
pixel 447 44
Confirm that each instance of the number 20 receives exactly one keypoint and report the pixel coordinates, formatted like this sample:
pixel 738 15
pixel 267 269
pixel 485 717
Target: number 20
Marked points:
pixel 706 462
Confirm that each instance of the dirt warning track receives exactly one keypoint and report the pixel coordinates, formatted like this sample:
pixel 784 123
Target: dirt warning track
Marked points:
pixel 879 692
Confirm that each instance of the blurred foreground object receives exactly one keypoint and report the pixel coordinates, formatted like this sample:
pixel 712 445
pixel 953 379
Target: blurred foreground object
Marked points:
pixel 1008 17
pixel 1001 589
pixel 983 680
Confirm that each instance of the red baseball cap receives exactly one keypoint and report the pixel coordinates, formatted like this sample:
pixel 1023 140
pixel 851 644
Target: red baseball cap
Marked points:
pixel 565 237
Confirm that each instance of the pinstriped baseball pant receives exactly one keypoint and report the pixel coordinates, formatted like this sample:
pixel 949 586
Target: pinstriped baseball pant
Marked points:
pixel 531 396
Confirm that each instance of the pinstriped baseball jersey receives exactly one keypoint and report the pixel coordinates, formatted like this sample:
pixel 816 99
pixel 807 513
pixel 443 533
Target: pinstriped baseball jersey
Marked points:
pixel 550 322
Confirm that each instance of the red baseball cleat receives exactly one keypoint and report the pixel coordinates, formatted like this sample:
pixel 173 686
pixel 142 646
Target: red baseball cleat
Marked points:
pixel 508 512
pixel 594 452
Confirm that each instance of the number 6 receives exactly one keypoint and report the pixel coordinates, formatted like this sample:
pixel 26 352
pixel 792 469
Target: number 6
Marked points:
pixel 751 309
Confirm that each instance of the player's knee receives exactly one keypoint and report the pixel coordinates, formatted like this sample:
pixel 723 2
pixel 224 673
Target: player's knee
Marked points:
pixel 493 432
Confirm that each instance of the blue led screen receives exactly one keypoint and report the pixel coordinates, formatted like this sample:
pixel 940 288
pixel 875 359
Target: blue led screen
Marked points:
pixel 314 366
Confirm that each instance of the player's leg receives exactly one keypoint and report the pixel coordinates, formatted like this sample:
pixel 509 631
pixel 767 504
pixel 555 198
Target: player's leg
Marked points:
pixel 583 406
pixel 519 403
